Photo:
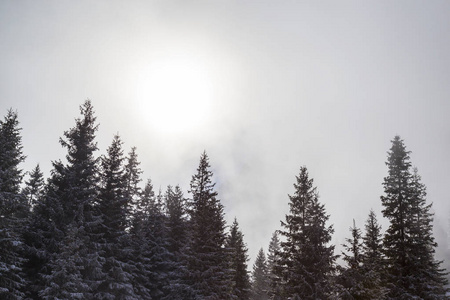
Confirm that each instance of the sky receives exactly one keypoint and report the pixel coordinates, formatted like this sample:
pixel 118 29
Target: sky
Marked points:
pixel 264 87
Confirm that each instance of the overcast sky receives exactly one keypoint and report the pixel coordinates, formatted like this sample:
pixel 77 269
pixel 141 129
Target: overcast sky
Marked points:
pixel 325 84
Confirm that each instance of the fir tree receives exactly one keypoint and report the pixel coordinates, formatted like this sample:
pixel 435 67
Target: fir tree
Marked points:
pixel 408 243
pixel 143 282
pixel 260 278
pixel 273 267
pixel 34 187
pixel 372 242
pixel 372 260
pixel 132 179
pixel 176 220
pixel 306 261
pixel 356 280
pixel 238 262
pixel 113 205
pixel 42 239
pixel 74 189
pixel 13 209
pixel 209 274
pixel 65 280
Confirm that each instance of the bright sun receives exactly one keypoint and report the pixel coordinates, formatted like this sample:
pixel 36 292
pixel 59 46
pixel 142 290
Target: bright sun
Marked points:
pixel 175 95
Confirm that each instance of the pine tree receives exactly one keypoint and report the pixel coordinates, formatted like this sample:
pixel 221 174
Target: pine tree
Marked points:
pixel 177 231
pixel 372 242
pixel 428 275
pixel 260 278
pixel 65 280
pixel 274 268
pixel 13 209
pixel 143 281
pixel 34 187
pixel 238 262
pixel 209 274
pixel 132 179
pixel 357 280
pixel 113 206
pixel 35 251
pixel 408 242
pixel 372 260
pixel 161 261
pixel 306 260
pixel 74 189
pixel 42 240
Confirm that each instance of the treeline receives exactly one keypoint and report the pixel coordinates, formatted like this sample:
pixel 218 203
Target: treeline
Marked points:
pixel 90 231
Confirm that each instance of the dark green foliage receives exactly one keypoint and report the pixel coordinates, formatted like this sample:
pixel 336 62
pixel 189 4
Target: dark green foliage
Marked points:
pixel 13 209
pixel 274 267
pixel 34 187
pixel 91 232
pixel 208 270
pixel 306 259
pixel 356 280
pixel 260 278
pixel 238 262
pixel 113 207
pixel 408 244
pixel 73 191
pixel 178 236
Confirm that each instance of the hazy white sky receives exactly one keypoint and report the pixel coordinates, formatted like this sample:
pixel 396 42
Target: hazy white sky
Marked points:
pixel 272 86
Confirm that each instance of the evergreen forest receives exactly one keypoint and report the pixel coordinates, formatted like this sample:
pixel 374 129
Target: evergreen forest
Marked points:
pixel 95 229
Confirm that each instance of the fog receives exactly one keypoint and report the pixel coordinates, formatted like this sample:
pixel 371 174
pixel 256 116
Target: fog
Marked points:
pixel 321 84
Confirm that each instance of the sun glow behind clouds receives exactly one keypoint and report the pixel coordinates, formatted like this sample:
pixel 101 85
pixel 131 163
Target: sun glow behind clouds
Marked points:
pixel 174 95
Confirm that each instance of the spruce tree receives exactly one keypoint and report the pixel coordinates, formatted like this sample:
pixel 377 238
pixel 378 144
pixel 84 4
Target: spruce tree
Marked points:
pixel 73 189
pixel 113 206
pixel 13 209
pixel 65 280
pixel 408 243
pixel 372 260
pixel 372 242
pixel 176 220
pixel 357 280
pixel 238 262
pixel 209 275
pixel 306 259
pixel 34 187
pixel 177 230
pixel 43 240
pixel 274 267
pixel 143 281
pixel 132 178
pixel 260 278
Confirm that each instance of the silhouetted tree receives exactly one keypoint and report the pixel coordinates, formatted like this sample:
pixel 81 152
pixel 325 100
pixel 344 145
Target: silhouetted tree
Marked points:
pixel 306 259
pixel 260 278
pixel 238 262
pixel 208 270
pixel 408 243
pixel 13 209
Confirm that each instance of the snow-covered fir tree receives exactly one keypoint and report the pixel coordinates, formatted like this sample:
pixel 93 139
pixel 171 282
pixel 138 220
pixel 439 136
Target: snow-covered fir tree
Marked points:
pixel 408 243
pixel 306 259
pixel 273 267
pixel 143 279
pixel 73 189
pixel 34 187
pixel 372 260
pixel 208 262
pixel 132 178
pixel 13 209
pixel 260 278
pixel 356 280
pixel 177 230
pixel 238 262
pixel 113 207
